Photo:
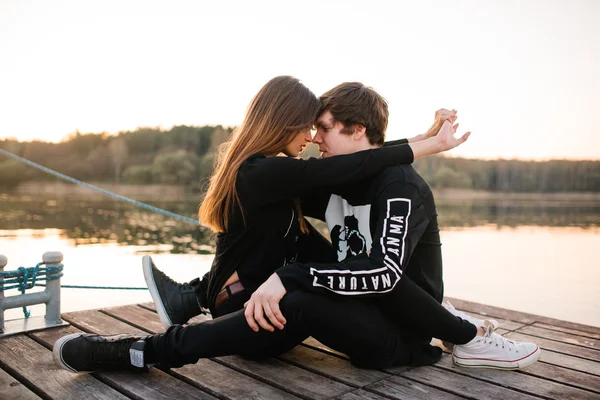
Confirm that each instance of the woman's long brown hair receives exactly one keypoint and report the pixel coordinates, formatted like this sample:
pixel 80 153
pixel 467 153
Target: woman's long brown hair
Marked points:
pixel 280 110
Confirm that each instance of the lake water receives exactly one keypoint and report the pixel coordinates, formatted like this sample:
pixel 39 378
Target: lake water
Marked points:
pixel 531 256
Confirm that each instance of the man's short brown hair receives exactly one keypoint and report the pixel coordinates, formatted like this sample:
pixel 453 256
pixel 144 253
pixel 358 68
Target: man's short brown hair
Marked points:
pixel 353 103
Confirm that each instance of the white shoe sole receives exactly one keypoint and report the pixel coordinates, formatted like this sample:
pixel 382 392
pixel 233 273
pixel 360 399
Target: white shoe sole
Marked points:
pixel 151 284
pixel 506 365
pixel 57 351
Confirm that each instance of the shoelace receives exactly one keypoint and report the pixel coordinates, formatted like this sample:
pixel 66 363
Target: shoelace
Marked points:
pixel 492 338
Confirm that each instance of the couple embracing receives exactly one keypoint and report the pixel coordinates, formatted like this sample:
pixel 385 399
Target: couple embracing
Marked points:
pixel 375 294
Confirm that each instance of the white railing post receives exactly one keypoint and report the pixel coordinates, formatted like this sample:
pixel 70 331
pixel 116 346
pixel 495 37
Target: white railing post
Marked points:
pixel 53 259
pixel 50 297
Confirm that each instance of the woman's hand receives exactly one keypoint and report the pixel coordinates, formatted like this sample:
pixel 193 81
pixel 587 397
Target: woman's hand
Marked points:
pixel 443 141
pixel 446 137
pixel 265 301
pixel 440 117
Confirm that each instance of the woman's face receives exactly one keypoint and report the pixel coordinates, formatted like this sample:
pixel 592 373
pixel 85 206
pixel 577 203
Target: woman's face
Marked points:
pixel 300 141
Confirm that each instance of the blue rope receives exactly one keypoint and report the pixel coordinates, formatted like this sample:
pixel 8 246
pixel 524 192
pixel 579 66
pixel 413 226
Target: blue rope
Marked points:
pixel 19 279
pixel 99 287
pixel 25 278
pixel 103 191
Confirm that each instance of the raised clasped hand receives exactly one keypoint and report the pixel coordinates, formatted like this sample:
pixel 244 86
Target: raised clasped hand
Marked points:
pixel 265 302
pixel 441 116
pixel 446 136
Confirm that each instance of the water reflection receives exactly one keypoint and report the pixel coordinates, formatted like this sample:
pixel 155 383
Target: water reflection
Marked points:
pixel 102 221
pixel 513 214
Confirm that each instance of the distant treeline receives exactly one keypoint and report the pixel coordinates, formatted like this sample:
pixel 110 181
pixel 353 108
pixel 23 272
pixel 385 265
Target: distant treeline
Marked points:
pixel 185 155
pixel 511 175
pixel 182 155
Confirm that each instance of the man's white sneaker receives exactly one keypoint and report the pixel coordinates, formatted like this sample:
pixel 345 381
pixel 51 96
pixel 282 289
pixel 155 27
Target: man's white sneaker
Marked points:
pixel 466 317
pixel 495 351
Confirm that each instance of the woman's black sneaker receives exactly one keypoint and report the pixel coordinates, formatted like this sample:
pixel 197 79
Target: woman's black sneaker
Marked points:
pixel 83 352
pixel 175 302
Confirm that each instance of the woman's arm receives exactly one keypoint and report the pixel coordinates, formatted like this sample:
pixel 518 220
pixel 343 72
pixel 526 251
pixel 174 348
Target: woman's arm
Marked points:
pixel 264 180
pixel 268 180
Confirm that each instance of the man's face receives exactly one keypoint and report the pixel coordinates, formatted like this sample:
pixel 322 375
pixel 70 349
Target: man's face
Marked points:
pixel 330 139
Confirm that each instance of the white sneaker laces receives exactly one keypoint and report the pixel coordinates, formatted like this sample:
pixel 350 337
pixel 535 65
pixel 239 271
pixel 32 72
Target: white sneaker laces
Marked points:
pixel 491 338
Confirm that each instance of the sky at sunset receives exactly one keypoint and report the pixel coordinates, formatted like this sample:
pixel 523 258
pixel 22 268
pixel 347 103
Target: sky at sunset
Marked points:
pixel 524 75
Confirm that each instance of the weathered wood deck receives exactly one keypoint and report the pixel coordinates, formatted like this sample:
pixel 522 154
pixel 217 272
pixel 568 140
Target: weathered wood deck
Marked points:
pixel 569 367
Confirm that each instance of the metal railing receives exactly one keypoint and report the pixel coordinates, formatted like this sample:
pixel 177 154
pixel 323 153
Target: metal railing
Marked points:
pixel 50 297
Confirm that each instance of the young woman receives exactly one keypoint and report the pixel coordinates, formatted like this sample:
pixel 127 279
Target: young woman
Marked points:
pixel 252 205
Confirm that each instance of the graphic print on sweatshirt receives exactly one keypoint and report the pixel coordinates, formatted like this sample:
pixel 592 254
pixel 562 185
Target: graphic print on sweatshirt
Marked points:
pixel 376 277
pixel 348 227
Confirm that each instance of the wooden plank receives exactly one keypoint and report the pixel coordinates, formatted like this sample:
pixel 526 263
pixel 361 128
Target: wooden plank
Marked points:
pixel 149 306
pixel 484 310
pixel 315 344
pixel 276 373
pixel 517 316
pixel 12 389
pixel 332 367
pixel 95 321
pixel 228 383
pixel 296 380
pixel 519 381
pixel 561 337
pixel 571 362
pixel 154 384
pixel 505 324
pixel 564 375
pixel 361 394
pixel 459 384
pixel 141 318
pixel 567 330
pixel 148 319
pixel 560 347
pixel 398 387
pixel 33 362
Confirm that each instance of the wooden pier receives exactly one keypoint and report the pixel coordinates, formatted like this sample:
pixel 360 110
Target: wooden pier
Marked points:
pixel 569 367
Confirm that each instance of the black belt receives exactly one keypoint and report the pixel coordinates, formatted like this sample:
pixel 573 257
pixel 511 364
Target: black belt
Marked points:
pixel 227 292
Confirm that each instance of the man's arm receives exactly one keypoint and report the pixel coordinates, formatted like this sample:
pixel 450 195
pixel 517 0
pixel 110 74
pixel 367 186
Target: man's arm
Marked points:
pixel 400 224
pixel 401 221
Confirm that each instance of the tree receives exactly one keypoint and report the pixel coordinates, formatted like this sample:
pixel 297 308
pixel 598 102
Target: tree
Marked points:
pixel 446 177
pixel 177 167
pixel 118 154
pixel 138 174
pixel 13 172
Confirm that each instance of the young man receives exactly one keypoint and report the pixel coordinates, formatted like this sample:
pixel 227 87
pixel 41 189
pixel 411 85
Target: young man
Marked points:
pixel 367 330
pixel 394 217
